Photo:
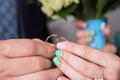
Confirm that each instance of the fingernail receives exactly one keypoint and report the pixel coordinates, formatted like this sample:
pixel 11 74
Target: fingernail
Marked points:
pixel 58 53
pixel 91 33
pixel 57 61
pixel 89 39
pixel 60 78
pixel 61 45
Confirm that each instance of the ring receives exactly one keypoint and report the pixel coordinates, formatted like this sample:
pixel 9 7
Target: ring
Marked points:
pixel 100 76
pixel 57 38
pixel 98 79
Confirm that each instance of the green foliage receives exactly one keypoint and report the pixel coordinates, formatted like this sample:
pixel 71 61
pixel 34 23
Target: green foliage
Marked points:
pixel 100 7
pixel 66 11
pixel 95 9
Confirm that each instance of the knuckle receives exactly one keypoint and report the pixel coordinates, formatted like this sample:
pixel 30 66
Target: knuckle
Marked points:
pixel 30 47
pixel 40 63
pixel 49 51
pixel 85 52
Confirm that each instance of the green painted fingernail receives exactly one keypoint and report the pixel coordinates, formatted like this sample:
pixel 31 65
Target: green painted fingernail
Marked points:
pixel 58 53
pixel 89 39
pixel 57 61
pixel 92 33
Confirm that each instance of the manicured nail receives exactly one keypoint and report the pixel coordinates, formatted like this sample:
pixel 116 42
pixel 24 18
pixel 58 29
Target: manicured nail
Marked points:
pixel 58 53
pixel 57 61
pixel 60 78
pixel 61 45
pixel 89 39
pixel 91 33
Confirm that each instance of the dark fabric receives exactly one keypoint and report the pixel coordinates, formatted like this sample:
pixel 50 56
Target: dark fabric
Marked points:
pixel 8 20
pixel 32 22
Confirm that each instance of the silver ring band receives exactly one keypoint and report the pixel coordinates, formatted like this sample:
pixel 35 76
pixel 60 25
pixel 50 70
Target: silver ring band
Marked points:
pixel 98 79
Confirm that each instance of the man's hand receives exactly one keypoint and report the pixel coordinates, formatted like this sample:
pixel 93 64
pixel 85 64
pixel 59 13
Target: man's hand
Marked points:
pixel 26 59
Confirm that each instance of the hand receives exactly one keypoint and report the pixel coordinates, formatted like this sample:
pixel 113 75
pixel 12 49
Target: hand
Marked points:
pixel 51 74
pixel 79 62
pixel 25 59
pixel 85 37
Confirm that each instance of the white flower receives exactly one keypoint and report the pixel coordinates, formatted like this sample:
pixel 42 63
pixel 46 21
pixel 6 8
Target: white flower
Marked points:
pixel 49 7
pixel 56 5
pixel 55 17
pixel 44 2
pixel 77 1
pixel 47 11
pixel 67 2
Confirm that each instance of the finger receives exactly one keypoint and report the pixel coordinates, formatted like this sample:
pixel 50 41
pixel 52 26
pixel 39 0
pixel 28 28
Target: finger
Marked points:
pixel 51 74
pixel 22 66
pixel 84 33
pixel 88 53
pixel 85 40
pixel 63 78
pixel 39 41
pixel 81 33
pixel 26 47
pixel 110 48
pixel 68 70
pixel 80 64
pixel 80 24
pixel 107 30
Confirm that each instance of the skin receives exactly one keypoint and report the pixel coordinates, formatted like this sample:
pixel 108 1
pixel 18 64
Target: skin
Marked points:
pixel 80 62
pixel 82 35
pixel 26 59
pixel 68 58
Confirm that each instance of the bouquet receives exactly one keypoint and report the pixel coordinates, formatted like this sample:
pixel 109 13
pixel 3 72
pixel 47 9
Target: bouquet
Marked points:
pixel 92 11
pixel 82 9
pixel 59 8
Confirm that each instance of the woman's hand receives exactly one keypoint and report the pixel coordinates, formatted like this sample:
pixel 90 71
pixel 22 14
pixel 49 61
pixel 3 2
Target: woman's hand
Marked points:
pixel 79 62
pixel 85 37
pixel 26 59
